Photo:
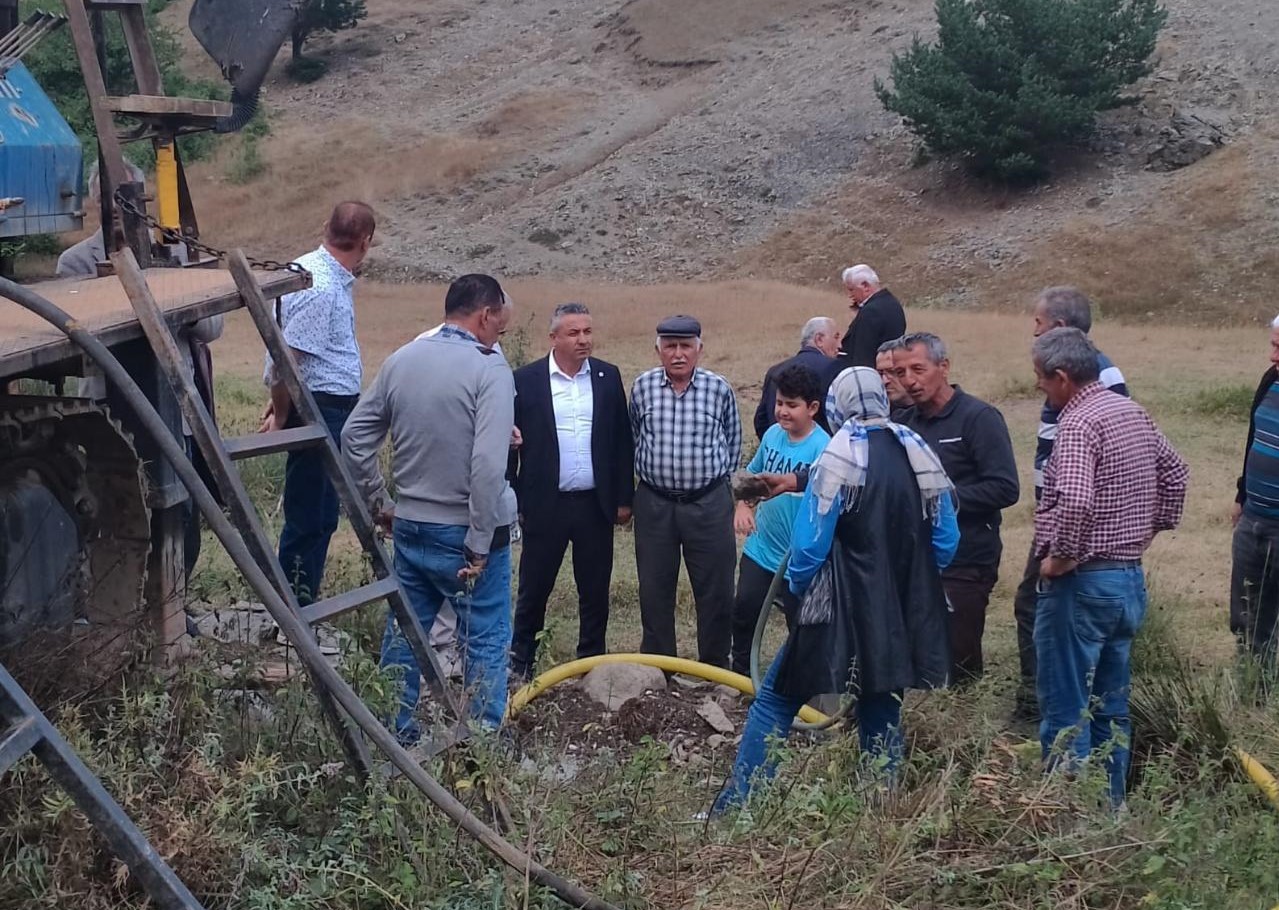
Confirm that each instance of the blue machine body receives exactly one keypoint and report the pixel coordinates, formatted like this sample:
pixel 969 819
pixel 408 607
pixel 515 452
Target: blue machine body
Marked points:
pixel 41 162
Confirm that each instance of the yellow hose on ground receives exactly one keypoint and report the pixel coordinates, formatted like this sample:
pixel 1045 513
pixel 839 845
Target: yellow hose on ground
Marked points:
pixel 1258 774
pixel 584 665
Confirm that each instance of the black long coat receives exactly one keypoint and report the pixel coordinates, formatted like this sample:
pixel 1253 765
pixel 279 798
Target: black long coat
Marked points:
pixel 889 630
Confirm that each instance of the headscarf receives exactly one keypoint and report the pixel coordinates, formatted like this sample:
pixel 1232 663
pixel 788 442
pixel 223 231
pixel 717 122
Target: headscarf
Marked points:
pixel 857 402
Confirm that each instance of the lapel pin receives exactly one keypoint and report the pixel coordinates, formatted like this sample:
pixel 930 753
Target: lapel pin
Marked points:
pixel 600 374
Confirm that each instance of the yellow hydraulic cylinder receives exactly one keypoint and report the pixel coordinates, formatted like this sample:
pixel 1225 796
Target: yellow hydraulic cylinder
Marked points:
pixel 166 187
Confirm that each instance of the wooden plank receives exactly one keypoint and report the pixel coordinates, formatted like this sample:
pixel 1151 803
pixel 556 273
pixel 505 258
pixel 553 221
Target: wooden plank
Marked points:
pixel 29 343
pixel 278 441
pixel 145 70
pixel 165 105
pixel 350 600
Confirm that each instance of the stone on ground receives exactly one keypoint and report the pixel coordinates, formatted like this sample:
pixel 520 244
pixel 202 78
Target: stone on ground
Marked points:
pixel 613 685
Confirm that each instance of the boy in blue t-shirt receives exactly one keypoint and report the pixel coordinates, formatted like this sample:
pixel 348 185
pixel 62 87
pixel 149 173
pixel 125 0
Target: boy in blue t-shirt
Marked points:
pixel 793 442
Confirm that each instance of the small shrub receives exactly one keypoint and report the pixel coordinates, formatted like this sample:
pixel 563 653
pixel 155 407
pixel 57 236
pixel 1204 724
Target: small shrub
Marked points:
pixel 306 69
pixel 1010 81
pixel 247 162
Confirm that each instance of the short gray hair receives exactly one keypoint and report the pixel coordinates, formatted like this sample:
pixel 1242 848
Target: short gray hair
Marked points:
pixel 893 344
pixel 935 346
pixel 814 327
pixel 855 274
pixel 1067 305
pixel 567 309
pixel 1069 350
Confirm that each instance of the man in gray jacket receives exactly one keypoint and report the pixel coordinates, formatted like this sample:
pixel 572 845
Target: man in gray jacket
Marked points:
pixel 448 401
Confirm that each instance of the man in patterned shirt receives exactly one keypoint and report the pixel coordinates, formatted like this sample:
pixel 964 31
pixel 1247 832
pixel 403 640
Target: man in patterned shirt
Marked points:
pixel 1254 576
pixel 1112 483
pixel 319 325
pixel 1055 307
pixel 688 440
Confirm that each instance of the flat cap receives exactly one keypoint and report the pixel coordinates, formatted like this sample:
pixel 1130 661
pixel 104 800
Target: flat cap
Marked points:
pixel 679 327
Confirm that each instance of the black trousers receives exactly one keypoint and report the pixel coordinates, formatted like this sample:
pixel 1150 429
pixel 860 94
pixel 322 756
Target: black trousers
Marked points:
pixel 577 519
pixel 1025 601
pixel 753 582
pixel 1254 586
pixel 968 591
pixel 702 532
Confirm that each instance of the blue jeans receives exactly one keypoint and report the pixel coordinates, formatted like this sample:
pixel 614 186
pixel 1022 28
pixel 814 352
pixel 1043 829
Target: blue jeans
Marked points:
pixel 770 716
pixel 1085 623
pixel 427 559
pixel 310 508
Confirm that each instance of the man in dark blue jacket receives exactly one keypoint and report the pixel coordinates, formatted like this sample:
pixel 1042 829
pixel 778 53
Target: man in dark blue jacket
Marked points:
pixel 574 478
pixel 818 345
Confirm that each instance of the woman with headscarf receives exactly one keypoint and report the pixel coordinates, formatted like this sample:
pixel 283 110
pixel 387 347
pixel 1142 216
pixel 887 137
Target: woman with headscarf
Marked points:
pixel 875 527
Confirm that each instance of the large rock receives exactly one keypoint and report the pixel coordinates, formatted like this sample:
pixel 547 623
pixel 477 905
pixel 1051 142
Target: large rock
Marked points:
pixel 613 685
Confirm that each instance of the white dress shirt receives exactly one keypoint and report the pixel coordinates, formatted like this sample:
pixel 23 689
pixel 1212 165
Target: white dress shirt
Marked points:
pixel 573 401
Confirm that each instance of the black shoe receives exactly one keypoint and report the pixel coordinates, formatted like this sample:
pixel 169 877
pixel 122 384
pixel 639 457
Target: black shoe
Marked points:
pixel 1025 708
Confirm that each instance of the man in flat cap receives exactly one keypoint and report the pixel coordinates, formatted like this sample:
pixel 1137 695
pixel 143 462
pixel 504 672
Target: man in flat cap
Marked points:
pixel 688 440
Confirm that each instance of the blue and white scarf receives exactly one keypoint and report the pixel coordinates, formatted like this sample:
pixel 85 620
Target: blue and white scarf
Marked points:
pixel 856 402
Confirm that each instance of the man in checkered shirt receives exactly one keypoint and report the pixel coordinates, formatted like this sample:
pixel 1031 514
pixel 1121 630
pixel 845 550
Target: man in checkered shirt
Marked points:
pixel 688 440
pixel 1112 483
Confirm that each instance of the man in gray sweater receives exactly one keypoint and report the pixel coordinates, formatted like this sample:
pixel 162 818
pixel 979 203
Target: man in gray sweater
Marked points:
pixel 448 401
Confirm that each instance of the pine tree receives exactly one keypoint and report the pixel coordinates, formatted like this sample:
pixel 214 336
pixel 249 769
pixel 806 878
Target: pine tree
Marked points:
pixel 325 16
pixel 1010 81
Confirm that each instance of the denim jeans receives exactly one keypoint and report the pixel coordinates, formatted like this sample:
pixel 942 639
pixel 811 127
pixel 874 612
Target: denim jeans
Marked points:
pixel 769 719
pixel 427 559
pixel 310 508
pixel 1084 627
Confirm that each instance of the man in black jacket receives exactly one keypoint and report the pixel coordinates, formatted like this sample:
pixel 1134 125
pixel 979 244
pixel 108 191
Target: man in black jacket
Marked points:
pixel 877 316
pixel 574 478
pixel 818 345
pixel 1254 576
pixel 971 439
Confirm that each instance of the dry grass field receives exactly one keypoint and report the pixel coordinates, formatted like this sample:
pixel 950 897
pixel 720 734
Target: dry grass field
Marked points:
pixel 1196 383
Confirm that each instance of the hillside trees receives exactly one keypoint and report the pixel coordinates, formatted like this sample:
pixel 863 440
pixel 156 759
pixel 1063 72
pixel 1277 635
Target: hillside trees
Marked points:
pixel 1009 82
pixel 325 16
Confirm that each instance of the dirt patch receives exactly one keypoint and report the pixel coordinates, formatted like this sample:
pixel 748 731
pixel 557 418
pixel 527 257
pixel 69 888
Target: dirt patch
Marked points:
pixel 566 719
pixel 678 33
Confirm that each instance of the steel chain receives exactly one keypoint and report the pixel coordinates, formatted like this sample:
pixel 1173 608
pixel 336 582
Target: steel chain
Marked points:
pixel 173 236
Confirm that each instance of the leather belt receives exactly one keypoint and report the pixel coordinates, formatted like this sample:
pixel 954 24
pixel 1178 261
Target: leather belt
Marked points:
pixel 691 496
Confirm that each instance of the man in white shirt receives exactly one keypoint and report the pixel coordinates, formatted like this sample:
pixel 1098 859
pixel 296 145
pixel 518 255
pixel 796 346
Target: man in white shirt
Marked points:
pixel 574 479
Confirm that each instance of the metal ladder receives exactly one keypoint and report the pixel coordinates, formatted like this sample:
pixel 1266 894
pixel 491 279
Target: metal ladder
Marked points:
pixel 220 456
pixel 23 729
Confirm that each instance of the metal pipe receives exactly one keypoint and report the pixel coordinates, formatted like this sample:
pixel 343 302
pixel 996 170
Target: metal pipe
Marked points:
pixel 15 36
pixel 299 633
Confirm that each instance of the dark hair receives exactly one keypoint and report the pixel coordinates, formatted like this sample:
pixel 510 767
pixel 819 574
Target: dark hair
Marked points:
pixel 892 344
pixel 350 225
pixel 1069 306
pixel 800 383
pixel 471 293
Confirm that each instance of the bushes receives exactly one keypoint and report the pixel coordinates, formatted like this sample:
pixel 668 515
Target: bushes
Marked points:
pixel 1010 81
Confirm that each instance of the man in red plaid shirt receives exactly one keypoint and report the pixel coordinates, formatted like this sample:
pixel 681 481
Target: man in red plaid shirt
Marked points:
pixel 1112 483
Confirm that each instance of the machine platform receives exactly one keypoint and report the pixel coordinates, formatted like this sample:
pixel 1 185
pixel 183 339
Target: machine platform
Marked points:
pixel 27 343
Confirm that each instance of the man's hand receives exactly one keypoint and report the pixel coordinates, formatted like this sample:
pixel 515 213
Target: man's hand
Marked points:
pixel 1056 566
pixel 779 483
pixel 744 520
pixel 384 518
pixel 1236 510
pixel 623 515
pixel 267 423
pixel 475 564
pixel 517 438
